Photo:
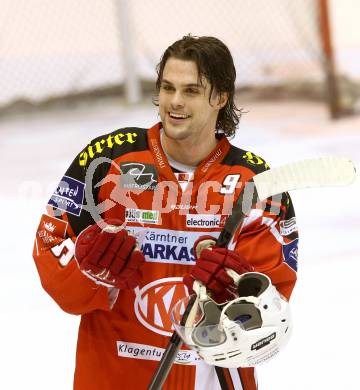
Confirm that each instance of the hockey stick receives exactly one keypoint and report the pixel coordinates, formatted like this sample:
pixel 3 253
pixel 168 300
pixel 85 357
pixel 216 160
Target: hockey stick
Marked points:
pixel 311 173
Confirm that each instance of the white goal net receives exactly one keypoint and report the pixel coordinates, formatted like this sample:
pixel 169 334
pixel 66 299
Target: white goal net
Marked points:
pixel 58 48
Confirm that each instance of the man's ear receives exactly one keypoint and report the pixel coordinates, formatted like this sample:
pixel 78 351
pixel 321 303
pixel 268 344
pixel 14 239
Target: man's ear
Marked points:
pixel 222 99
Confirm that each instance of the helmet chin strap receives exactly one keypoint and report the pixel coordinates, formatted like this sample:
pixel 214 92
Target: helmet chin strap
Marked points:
pixel 200 291
pixel 233 274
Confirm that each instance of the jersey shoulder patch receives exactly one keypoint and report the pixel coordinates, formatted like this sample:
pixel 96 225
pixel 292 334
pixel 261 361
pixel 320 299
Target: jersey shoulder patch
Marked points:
pixel 250 160
pixel 114 144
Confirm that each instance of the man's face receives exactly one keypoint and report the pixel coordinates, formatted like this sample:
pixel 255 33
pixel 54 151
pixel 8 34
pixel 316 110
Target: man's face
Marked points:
pixel 184 105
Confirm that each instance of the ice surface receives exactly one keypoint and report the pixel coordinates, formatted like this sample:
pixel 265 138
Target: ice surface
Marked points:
pixel 38 340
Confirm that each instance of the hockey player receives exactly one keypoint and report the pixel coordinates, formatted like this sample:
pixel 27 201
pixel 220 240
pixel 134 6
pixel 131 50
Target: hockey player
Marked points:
pixel 119 232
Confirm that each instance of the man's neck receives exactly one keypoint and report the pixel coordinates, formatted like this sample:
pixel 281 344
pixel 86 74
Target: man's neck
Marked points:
pixel 188 152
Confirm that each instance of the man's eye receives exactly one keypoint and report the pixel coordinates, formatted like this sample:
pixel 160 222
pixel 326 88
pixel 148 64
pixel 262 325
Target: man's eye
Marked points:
pixel 192 90
pixel 167 87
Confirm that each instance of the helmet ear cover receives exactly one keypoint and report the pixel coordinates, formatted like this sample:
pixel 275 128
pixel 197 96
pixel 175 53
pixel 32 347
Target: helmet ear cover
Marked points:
pixel 246 314
pixel 252 286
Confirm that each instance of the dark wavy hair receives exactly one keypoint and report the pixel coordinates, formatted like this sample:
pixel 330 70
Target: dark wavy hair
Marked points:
pixel 214 61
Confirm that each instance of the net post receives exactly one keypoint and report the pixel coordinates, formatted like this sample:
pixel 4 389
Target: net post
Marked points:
pixel 131 79
pixel 333 93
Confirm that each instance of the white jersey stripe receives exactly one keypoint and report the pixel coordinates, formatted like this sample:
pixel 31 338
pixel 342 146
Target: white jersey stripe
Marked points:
pixel 235 378
pixel 206 378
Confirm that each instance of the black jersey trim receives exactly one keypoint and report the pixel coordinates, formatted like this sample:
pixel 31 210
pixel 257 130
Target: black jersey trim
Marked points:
pixel 245 158
pixel 114 144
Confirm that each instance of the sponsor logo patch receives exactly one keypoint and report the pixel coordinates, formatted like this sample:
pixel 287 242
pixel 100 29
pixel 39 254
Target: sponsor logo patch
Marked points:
pixel 183 207
pixel 158 153
pixel 150 352
pixel 167 246
pixel 263 342
pixel 155 301
pixel 289 226
pixel 290 254
pixel 205 221
pixel 138 176
pixel 51 232
pixel 142 216
pixel 68 196
pixel 97 148
pixel 253 159
pixel 212 159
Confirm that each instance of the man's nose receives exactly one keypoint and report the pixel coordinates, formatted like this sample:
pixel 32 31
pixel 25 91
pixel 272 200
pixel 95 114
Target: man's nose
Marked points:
pixel 177 100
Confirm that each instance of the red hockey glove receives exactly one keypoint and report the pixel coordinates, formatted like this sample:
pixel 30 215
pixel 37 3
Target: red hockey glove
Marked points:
pixel 210 268
pixel 109 256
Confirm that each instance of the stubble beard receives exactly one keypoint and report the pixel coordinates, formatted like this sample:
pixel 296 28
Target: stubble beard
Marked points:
pixel 177 133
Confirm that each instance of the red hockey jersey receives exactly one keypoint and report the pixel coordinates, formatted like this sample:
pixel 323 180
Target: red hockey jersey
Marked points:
pixel 126 175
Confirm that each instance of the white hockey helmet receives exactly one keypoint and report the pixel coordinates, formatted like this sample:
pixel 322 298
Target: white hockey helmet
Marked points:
pixel 245 332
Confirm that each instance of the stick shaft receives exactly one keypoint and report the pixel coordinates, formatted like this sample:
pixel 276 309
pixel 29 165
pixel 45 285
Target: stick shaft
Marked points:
pixel 166 362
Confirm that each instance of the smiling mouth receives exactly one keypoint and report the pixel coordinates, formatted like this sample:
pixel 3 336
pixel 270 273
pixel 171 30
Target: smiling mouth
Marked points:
pixel 178 116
